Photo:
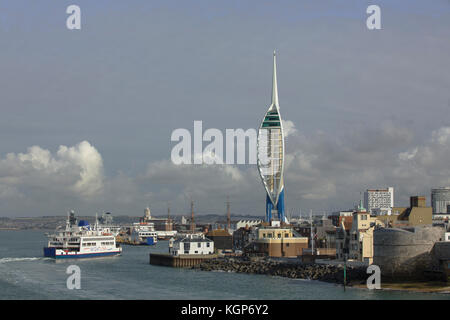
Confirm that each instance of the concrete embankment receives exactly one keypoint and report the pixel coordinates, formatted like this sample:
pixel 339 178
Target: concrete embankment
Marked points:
pixel 328 273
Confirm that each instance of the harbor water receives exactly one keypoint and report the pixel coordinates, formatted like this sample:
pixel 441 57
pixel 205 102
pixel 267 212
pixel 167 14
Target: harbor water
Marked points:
pixel 26 274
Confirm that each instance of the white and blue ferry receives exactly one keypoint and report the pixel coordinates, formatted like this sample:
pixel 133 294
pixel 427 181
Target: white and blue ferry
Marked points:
pixel 79 240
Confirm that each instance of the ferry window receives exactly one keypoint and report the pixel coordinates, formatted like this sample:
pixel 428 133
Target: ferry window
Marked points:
pixel 199 245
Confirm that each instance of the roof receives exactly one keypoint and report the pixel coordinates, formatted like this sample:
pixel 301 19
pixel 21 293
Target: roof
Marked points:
pixel 193 240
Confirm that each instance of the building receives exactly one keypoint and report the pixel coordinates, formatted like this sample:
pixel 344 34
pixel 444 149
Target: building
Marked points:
pixel 275 241
pixel 440 200
pixel 222 239
pixel 271 155
pixel 336 217
pixel 191 244
pixel 243 237
pixel 418 214
pixel 379 201
pixel 361 236
pixel 163 226
pixel 248 223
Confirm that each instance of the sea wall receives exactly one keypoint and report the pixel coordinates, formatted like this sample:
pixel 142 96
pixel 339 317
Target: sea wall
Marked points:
pixel 405 253
pixel 328 273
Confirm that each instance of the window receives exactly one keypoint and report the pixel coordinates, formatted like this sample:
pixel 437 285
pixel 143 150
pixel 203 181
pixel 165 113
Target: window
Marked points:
pixel 207 244
pixel 286 235
pixel 279 236
pixel 199 245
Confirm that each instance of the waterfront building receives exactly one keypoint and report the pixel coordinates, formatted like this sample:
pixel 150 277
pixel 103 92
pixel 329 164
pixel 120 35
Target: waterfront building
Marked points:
pixel 191 244
pixel 242 237
pixel 440 200
pixel 271 155
pixel 361 236
pixel 222 239
pixel 275 241
pixel 357 243
pixel 379 201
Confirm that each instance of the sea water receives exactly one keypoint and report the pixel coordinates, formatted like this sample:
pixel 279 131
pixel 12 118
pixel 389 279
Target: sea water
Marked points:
pixel 26 274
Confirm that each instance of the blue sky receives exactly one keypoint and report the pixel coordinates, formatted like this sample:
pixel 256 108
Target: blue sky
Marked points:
pixel 137 70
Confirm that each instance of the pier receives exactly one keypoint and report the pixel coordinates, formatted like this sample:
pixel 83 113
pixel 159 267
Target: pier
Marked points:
pixel 180 261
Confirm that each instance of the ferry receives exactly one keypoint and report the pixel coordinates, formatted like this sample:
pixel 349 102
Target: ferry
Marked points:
pixel 144 233
pixel 81 241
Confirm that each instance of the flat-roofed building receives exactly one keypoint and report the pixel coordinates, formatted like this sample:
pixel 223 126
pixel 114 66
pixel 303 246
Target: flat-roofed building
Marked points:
pixel 379 201
pixel 440 200
pixel 278 242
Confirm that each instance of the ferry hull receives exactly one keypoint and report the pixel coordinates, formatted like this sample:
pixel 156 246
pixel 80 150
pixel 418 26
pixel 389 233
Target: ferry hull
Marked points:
pixel 53 253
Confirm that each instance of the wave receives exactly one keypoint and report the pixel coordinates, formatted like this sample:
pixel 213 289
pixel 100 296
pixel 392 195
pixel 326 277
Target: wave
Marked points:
pixel 5 260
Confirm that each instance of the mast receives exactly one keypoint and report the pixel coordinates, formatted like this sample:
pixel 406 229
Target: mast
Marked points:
pixel 192 217
pixel 228 214
pixel 312 233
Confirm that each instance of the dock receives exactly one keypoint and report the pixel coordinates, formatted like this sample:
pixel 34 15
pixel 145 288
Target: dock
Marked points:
pixel 180 261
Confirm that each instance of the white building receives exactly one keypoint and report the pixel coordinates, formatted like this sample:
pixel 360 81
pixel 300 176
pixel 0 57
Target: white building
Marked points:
pixel 191 244
pixel 379 201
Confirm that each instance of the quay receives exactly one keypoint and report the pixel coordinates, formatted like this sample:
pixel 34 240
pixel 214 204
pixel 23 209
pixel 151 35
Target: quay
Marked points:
pixel 179 261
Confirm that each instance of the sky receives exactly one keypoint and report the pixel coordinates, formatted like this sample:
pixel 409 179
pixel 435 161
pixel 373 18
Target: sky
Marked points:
pixel 86 116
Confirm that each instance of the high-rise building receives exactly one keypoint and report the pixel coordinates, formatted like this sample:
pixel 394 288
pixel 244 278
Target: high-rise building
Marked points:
pixel 379 201
pixel 271 155
pixel 440 200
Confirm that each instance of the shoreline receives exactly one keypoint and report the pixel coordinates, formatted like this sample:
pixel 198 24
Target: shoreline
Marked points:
pixel 413 286
pixel 356 276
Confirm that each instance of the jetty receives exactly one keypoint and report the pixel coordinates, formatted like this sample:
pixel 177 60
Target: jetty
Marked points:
pixel 179 261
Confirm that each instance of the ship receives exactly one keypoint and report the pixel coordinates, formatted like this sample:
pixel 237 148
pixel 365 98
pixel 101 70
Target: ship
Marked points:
pixel 144 233
pixel 79 240
pixel 105 224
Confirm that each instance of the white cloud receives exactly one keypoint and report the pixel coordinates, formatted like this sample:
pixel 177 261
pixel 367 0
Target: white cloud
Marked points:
pixel 76 170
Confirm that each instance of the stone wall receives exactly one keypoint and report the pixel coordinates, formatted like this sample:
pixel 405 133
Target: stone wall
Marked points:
pixel 406 252
pixel 328 273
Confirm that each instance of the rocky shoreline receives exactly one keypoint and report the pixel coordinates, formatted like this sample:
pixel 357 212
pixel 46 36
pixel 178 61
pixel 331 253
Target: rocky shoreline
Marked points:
pixel 327 273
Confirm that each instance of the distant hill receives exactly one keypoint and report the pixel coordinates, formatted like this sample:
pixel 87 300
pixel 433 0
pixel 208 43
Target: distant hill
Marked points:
pixel 51 222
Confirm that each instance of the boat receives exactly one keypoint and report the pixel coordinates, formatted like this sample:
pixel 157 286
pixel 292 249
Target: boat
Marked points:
pixel 105 224
pixel 144 233
pixel 79 240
